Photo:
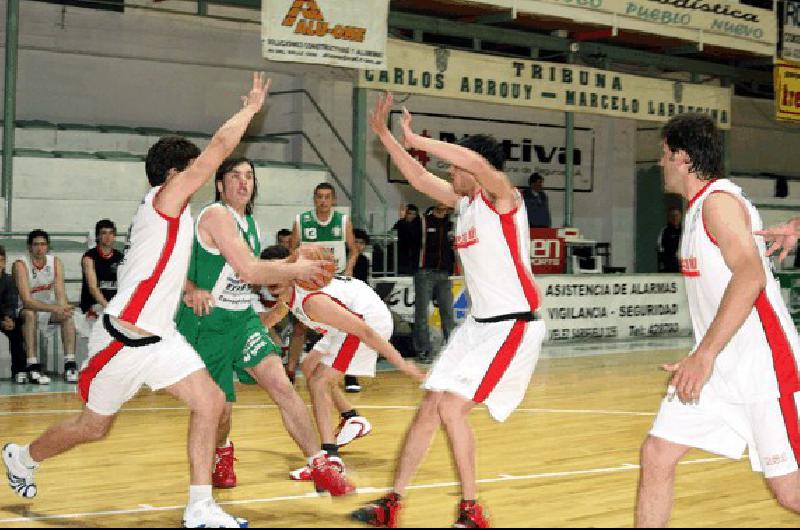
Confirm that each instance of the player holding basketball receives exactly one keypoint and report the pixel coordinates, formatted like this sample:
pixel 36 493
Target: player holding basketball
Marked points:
pixel 737 387
pixel 491 357
pixel 138 344
pixel 356 326
pixel 218 320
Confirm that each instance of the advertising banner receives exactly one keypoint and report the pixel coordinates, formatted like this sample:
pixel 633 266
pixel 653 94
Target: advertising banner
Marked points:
pixel 528 147
pixel 548 251
pixel 576 307
pixel 790 47
pixel 330 32
pixel 420 69
pixel 728 24
pixel 787 91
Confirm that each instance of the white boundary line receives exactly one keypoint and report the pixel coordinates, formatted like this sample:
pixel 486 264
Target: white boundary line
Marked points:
pixel 46 412
pixel 145 508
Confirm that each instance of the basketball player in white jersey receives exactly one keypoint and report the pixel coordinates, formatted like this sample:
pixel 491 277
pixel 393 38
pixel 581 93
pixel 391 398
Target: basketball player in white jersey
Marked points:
pixel 137 343
pixel 40 281
pixel 490 358
pixel 356 326
pixel 737 388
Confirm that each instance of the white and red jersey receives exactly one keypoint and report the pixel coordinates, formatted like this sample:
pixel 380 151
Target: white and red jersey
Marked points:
pixel 350 293
pixel 495 254
pixel 263 301
pixel 151 277
pixel 41 281
pixel 760 361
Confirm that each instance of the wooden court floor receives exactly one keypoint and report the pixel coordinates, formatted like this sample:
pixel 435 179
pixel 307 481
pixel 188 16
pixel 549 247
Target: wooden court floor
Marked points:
pixel 567 458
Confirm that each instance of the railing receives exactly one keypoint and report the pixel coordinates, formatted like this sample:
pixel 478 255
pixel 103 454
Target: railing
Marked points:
pixel 341 142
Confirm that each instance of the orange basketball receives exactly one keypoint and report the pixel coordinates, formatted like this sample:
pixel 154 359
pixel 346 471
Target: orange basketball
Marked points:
pixel 317 253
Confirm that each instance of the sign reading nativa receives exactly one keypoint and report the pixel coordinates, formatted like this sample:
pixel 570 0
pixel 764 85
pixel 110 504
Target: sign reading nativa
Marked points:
pixel 787 91
pixel 330 32
pixel 420 69
pixel 790 48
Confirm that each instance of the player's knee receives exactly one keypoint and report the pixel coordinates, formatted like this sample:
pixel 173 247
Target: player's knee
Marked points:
pixel 787 494
pixel 450 410
pixel 318 381
pixel 211 403
pixel 654 457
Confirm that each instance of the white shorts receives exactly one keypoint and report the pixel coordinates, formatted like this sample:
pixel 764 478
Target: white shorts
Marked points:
pixel 489 363
pixel 113 373
pixel 345 353
pixel 726 429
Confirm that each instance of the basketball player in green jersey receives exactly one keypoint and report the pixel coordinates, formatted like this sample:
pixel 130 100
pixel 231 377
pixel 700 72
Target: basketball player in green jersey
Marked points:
pixel 325 226
pixel 218 319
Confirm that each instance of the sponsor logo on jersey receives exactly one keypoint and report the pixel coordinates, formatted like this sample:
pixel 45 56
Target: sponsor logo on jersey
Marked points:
pixel 337 231
pixel 689 266
pixel 310 232
pixel 467 239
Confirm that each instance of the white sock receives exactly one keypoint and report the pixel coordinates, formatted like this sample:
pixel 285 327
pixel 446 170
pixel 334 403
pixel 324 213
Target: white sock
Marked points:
pixel 314 457
pixel 226 444
pixel 69 357
pixel 33 361
pixel 199 494
pixel 25 458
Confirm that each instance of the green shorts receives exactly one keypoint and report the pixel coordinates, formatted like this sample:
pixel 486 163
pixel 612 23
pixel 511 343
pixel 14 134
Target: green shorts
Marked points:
pixel 228 342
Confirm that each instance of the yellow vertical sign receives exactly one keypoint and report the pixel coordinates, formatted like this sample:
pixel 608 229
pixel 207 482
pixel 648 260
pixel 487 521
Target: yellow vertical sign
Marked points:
pixel 787 91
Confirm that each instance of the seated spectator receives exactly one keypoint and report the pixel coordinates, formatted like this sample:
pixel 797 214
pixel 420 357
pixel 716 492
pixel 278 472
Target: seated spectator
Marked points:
pixel 11 323
pixel 99 265
pixel 39 278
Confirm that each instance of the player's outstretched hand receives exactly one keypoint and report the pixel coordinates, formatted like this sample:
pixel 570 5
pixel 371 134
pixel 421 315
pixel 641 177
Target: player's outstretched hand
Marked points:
pixel 781 236
pixel 408 135
pixel 254 100
pixel 379 116
pixel 312 270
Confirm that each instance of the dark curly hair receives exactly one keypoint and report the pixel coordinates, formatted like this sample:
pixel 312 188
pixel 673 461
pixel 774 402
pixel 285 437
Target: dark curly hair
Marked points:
pixel 486 146
pixel 699 137
pixel 170 152
pixel 227 166
pixel 275 252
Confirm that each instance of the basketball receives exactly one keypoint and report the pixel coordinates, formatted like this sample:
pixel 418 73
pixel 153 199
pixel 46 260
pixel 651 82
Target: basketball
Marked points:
pixel 314 252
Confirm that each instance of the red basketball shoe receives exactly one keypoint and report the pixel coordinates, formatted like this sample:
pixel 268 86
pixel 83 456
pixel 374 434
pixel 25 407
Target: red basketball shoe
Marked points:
pixel 224 476
pixel 471 516
pixel 328 475
pixel 382 512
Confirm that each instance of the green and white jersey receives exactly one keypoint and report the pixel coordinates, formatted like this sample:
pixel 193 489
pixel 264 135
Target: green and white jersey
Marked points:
pixel 330 234
pixel 209 270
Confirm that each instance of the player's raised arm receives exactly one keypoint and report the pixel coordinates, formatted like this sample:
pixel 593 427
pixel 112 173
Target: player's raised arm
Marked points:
pixel 420 178
pixel 490 178
pixel 178 190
